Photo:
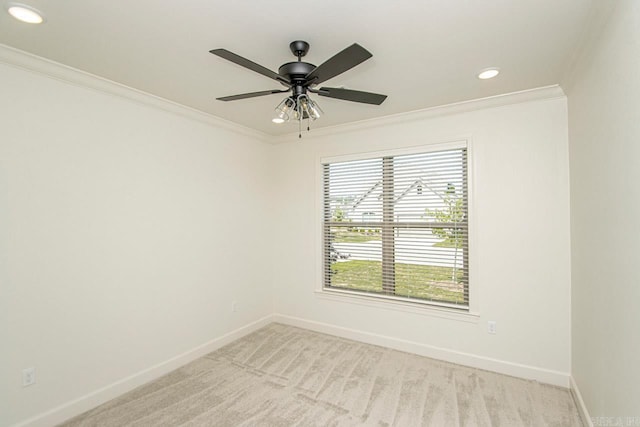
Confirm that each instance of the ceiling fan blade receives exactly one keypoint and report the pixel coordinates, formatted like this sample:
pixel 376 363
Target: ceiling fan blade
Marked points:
pixel 351 95
pixel 339 63
pixel 244 62
pixel 250 95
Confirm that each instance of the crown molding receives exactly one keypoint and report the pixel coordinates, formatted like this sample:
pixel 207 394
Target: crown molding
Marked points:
pixel 537 94
pixel 17 58
pixel 20 59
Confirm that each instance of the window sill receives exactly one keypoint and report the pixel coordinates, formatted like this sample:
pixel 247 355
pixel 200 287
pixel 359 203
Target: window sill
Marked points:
pixel 416 307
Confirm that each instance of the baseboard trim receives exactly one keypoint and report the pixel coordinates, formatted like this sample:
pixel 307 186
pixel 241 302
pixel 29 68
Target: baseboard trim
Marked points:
pixel 582 408
pixel 542 375
pixel 113 390
pixel 91 400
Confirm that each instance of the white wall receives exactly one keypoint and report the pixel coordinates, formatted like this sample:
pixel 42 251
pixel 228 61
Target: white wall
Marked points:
pixel 119 248
pixel 520 265
pixel 604 124
pixel 125 233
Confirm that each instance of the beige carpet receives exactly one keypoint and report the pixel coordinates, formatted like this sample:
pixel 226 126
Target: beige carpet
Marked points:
pixel 286 376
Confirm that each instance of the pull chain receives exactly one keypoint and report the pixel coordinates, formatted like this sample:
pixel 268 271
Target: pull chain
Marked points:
pixel 299 119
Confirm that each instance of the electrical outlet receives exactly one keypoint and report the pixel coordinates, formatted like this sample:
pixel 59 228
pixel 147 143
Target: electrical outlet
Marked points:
pixel 491 326
pixel 28 377
pixel 234 306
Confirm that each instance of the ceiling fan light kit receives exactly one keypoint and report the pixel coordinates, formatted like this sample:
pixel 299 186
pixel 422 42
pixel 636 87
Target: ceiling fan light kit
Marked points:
pixel 294 108
pixel 301 78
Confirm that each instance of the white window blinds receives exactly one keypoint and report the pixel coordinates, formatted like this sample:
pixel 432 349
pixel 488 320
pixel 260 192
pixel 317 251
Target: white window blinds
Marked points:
pixel 397 226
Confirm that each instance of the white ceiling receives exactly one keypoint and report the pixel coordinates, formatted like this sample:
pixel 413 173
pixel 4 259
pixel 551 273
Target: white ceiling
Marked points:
pixel 425 52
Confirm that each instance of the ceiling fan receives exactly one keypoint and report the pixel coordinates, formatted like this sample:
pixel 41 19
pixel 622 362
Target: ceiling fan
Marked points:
pixel 301 78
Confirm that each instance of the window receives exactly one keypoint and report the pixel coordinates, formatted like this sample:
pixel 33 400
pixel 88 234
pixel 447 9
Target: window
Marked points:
pixel 397 226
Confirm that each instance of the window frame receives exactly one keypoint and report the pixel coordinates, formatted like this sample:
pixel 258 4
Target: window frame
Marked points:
pixel 441 309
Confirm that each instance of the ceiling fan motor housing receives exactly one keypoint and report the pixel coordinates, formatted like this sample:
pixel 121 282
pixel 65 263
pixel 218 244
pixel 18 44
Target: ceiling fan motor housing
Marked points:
pixel 296 73
pixel 296 70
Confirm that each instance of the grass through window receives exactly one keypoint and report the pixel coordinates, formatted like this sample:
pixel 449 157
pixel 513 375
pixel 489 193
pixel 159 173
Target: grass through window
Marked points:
pixel 412 280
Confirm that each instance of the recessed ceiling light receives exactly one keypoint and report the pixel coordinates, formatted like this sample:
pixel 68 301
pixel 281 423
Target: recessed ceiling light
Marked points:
pixel 277 120
pixel 488 73
pixel 25 13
